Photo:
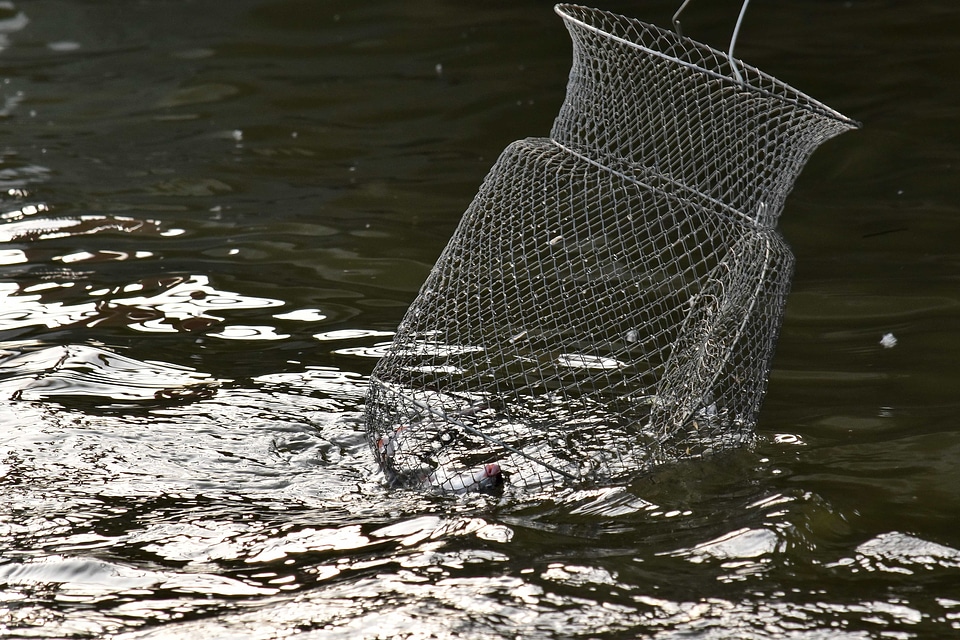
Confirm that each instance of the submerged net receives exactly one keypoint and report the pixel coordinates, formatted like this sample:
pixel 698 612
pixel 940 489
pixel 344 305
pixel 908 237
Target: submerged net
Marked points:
pixel 611 299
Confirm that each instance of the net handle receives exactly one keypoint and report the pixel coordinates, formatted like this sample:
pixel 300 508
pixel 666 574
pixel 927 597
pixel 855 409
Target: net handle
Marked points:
pixel 733 38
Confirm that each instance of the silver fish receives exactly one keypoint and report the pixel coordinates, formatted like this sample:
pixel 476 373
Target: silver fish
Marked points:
pixel 441 478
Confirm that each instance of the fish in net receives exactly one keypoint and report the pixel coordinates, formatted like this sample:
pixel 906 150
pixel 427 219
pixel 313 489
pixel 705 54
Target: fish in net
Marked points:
pixel 611 298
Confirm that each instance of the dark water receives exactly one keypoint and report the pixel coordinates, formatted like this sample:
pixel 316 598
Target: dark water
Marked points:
pixel 213 216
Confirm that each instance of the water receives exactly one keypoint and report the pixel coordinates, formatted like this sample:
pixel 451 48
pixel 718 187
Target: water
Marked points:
pixel 213 217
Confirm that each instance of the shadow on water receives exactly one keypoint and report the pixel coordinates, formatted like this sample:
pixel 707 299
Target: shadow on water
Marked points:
pixel 211 222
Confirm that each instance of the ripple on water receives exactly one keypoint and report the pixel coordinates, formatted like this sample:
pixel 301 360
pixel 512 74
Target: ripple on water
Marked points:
pixel 145 499
pixel 252 512
pixel 81 370
pixel 191 506
pixel 65 296
pixel 129 427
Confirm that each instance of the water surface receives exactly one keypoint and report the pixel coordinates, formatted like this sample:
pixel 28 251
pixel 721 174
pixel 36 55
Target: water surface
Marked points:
pixel 213 217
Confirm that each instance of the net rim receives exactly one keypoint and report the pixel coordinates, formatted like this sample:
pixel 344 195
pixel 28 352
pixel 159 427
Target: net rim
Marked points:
pixel 684 195
pixel 790 94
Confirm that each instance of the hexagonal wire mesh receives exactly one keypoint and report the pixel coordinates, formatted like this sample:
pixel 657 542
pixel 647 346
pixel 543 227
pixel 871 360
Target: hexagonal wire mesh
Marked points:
pixel 612 297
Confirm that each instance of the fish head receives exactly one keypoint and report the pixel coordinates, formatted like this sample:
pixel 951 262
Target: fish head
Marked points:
pixel 487 476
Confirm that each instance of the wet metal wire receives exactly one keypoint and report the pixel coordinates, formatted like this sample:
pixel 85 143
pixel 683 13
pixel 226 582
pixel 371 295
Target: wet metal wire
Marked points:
pixel 612 297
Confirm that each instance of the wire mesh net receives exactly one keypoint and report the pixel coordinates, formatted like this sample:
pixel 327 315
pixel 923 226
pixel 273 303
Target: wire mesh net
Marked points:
pixel 611 298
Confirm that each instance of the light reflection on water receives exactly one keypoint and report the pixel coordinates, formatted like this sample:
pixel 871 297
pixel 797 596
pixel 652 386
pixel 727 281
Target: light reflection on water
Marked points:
pixel 163 495
pixel 211 221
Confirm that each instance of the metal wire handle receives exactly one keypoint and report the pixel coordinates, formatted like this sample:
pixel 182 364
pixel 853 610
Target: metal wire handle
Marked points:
pixel 733 39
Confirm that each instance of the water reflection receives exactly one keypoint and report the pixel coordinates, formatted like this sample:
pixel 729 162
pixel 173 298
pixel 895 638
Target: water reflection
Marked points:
pixel 21 226
pixel 60 283
pixel 212 219
pixel 251 511
pixel 160 304
pixel 164 305
pixel 80 370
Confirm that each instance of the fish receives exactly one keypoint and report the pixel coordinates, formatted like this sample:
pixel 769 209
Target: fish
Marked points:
pixel 488 476
pixel 445 479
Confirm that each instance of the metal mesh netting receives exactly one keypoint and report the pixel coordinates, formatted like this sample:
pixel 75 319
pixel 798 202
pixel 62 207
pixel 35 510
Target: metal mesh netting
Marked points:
pixel 611 299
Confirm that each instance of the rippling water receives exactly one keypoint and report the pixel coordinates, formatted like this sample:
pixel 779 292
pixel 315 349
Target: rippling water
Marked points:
pixel 212 217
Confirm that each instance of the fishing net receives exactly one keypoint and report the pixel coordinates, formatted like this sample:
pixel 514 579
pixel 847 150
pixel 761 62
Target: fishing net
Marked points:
pixel 611 298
